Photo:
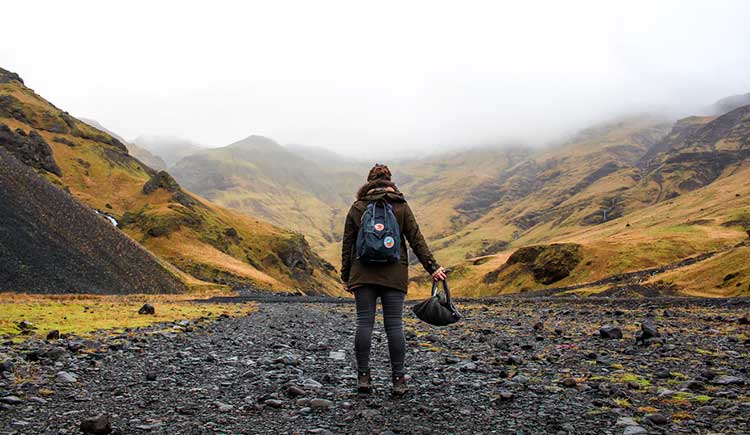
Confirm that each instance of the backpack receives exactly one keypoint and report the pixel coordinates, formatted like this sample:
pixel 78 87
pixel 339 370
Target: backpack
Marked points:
pixel 379 237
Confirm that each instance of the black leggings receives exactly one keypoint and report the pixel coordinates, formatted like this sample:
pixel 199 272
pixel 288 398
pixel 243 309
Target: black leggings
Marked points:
pixel 393 307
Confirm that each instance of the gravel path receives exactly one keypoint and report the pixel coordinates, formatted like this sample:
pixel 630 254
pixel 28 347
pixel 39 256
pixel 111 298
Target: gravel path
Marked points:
pixel 512 367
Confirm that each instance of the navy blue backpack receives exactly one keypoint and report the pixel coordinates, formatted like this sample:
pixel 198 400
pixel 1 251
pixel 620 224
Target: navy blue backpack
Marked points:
pixel 379 237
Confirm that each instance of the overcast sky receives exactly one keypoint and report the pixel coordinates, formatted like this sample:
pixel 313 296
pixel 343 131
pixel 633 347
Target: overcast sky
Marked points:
pixel 374 78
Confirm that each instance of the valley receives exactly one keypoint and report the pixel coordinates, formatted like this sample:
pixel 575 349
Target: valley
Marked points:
pixel 635 193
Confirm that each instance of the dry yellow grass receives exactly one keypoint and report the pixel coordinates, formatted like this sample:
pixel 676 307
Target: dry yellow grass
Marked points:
pixel 82 313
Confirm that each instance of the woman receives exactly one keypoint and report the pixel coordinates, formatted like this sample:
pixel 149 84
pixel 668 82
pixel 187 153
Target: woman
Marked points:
pixel 388 281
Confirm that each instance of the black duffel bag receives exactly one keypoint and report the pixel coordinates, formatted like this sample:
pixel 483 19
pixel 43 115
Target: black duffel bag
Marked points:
pixel 438 309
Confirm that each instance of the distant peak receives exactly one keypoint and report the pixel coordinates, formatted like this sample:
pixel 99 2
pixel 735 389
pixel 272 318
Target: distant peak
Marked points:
pixel 256 141
pixel 730 103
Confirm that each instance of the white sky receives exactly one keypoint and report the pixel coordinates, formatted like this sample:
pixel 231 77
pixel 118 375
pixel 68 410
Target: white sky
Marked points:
pixel 368 78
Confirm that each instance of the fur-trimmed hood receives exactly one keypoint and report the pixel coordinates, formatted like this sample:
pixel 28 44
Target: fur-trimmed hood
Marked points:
pixel 379 187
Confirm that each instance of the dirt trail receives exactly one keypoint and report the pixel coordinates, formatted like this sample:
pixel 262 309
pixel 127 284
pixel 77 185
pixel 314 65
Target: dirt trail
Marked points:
pixel 527 367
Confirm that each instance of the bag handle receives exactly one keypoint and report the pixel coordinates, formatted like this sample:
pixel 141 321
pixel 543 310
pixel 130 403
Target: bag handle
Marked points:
pixel 374 206
pixel 446 290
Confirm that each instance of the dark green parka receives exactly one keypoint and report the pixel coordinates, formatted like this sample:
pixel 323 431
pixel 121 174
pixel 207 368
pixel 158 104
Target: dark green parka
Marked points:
pixel 393 275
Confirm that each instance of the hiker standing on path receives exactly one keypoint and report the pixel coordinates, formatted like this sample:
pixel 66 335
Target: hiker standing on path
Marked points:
pixel 374 264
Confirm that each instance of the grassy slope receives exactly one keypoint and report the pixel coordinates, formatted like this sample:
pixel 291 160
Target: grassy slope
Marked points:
pixel 659 232
pixel 261 178
pixel 105 179
pixel 655 235
pixel 543 182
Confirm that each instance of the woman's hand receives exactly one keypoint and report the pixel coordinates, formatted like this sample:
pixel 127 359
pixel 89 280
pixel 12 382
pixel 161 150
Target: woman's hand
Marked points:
pixel 439 275
pixel 346 288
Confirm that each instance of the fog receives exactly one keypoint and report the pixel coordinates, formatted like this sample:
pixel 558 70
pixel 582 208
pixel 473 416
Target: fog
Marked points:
pixel 375 78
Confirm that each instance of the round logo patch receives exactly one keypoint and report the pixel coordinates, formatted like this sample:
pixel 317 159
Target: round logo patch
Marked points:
pixel 379 226
pixel 389 242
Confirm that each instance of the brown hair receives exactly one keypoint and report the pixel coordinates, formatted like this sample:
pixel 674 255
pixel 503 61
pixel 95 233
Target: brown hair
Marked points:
pixel 378 177
pixel 379 172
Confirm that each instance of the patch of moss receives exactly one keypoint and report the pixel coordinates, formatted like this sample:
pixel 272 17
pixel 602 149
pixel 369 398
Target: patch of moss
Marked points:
pixel 82 313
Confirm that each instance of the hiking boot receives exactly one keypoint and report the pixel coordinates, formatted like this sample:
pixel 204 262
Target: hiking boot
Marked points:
pixel 364 382
pixel 399 386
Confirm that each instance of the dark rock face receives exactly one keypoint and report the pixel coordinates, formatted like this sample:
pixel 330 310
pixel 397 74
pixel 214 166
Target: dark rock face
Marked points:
pixel 526 255
pixel 50 243
pixel 162 180
pixel 30 149
pixel 556 262
pixel 7 76
pixel 548 263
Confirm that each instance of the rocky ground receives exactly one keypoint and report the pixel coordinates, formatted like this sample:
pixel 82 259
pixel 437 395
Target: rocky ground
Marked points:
pixel 514 366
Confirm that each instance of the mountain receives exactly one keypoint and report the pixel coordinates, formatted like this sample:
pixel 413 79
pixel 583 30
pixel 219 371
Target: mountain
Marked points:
pixel 142 154
pixel 628 196
pixel 51 243
pixel 168 148
pixel 730 103
pixel 487 198
pixel 258 176
pixel 209 244
pixel 617 199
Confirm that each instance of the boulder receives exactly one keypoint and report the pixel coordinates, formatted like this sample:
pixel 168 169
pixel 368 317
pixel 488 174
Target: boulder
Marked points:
pixel 147 309
pixel 97 425
pixel 647 332
pixel 610 332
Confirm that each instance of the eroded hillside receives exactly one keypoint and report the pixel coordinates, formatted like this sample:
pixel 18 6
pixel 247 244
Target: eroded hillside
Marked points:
pixel 210 244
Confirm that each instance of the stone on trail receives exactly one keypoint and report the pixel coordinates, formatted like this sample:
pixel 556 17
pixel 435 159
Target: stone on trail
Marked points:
pixel 647 332
pixel 657 419
pixel 11 400
pixel 98 425
pixel 295 391
pixel 53 335
pixel 224 407
pixel 147 309
pixel 25 325
pixel 569 383
pixel 634 430
pixel 311 384
pixel 65 378
pixel 610 332
pixel 626 421
pixel 274 403
pixel 6 366
pixel 321 404
pixel 337 355
pixel 728 380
